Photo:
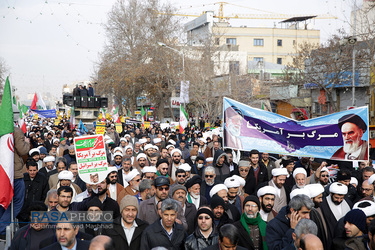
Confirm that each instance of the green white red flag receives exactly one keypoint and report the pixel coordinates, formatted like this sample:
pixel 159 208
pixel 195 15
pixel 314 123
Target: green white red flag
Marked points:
pixel 184 120
pixel 143 116
pixel 7 147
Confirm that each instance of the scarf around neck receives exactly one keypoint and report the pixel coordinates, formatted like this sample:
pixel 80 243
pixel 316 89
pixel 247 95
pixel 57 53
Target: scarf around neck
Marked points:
pixel 245 221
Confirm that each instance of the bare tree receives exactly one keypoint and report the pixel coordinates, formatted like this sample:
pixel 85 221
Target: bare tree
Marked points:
pixel 131 63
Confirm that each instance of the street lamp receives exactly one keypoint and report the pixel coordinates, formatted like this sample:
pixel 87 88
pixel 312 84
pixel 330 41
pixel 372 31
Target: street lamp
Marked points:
pixel 179 52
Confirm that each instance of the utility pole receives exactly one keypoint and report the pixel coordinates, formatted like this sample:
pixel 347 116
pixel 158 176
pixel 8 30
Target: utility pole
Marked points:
pixel 353 56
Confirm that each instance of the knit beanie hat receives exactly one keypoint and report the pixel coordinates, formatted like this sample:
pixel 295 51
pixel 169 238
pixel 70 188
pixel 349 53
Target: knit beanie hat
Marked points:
pixel 204 210
pixel 358 218
pixel 217 201
pixel 129 200
pixel 95 202
pixel 252 198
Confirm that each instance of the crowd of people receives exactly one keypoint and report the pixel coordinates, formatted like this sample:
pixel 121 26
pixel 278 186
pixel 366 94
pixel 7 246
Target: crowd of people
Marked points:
pixel 168 190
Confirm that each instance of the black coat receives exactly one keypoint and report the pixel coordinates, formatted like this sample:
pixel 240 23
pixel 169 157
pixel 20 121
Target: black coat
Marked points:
pixel 216 247
pixel 205 189
pixel 119 238
pixel 154 236
pixel 35 190
pixel 330 219
pixel 196 241
pixel 81 245
pixel 22 238
pixel 53 240
pixel 278 231
pixel 190 212
pixel 252 184
pixel 244 237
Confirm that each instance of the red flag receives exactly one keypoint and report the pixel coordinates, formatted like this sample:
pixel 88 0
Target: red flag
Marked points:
pixel 23 125
pixel 35 100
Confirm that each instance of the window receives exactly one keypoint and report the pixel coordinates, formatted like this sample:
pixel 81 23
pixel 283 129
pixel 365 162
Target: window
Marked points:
pixel 234 67
pixel 279 60
pixel 258 42
pixel 258 59
pixel 294 42
pixel 231 41
pixel 217 41
pixel 279 42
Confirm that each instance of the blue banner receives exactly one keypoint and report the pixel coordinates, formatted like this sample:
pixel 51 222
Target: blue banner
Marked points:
pixel 49 113
pixel 339 136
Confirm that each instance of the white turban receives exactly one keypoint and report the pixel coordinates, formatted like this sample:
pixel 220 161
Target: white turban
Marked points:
pixel 131 175
pixel 65 175
pixel 141 155
pixel 48 159
pixel 371 179
pixel 147 146
pixel 168 146
pixel 315 189
pixel 338 188
pixel 149 169
pixel 232 182
pixel 240 179
pixel 111 169
pixel 369 210
pixel 34 150
pixel 157 140
pixel 127 147
pixel 176 150
pixel 353 180
pixel 279 171
pixel 123 139
pixel 117 149
pixel 266 190
pixel 141 141
pixel 186 167
pixel 298 191
pixel 217 188
pixel 172 142
pixel 117 154
pixel 299 171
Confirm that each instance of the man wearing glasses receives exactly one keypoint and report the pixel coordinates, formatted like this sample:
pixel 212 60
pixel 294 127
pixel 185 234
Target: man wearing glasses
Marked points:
pixel 133 178
pixel 148 208
pixel 205 234
pixel 251 227
pixel 209 181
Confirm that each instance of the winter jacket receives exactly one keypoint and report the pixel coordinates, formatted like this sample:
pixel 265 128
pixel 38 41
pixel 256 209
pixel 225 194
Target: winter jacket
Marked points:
pixel 35 190
pixel 223 171
pixel 253 184
pixel 22 238
pixel 155 235
pixel 119 238
pixel 196 241
pixel 21 148
pixel 278 231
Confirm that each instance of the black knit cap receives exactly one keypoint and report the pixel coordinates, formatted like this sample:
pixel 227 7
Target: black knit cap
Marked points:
pixel 252 198
pixel 204 210
pixel 95 202
pixel 217 201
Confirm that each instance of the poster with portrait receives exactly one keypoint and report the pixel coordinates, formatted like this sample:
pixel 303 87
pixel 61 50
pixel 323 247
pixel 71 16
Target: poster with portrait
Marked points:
pixel 340 136
pixel 91 158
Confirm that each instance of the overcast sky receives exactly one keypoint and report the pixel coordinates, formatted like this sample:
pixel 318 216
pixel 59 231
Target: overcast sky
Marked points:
pixel 50 43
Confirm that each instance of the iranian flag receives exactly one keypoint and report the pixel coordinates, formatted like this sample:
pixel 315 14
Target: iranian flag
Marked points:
pixel 184 120
pixel 115 115
pixel 7 147
pixel 143 116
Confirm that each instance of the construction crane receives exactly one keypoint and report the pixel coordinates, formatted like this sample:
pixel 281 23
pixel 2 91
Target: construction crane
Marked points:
pixel 271 15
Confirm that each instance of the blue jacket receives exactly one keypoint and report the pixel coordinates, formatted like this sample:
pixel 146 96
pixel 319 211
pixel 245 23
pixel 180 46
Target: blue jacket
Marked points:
pixel 278 231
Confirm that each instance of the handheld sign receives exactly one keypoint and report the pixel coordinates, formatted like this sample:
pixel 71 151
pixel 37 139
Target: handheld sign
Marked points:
pixel 91 158
pixel 100 128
